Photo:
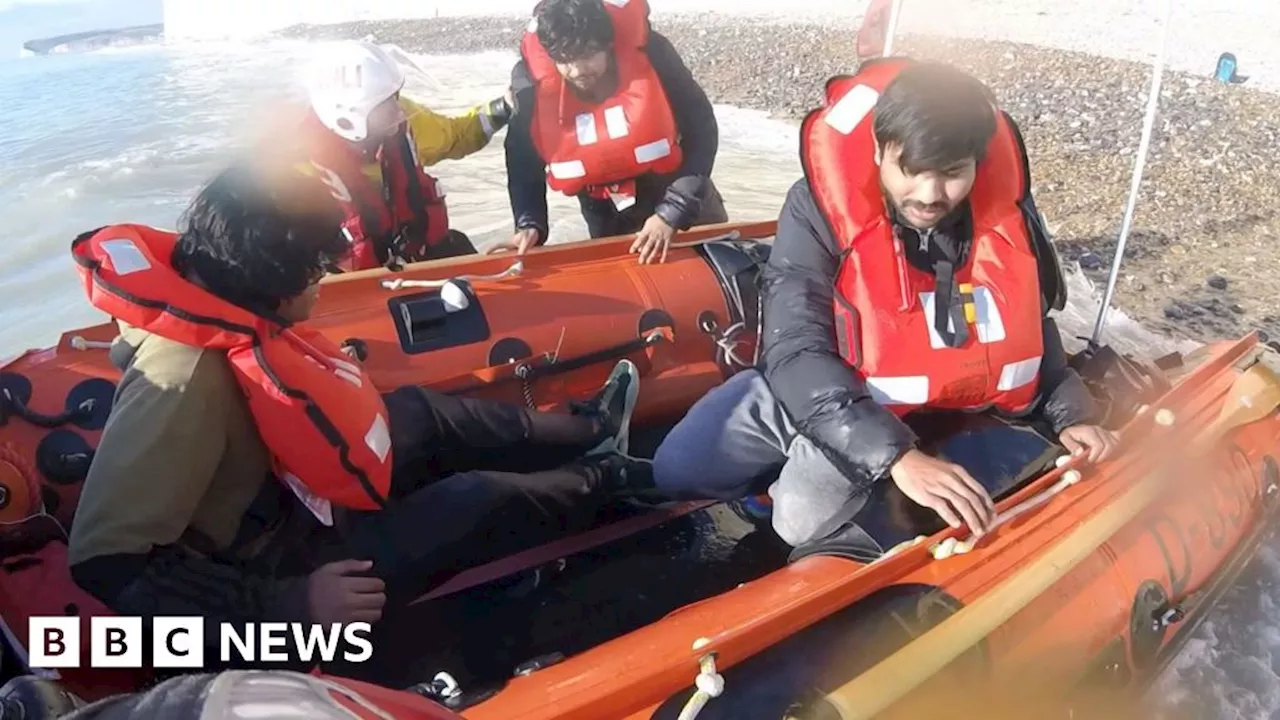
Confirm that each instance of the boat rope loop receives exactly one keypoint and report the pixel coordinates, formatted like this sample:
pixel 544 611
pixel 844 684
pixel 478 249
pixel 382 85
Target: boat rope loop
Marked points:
pixel 954 546
pixel 11 406
pixel 727 340
pixel 728 343
pixel 709 684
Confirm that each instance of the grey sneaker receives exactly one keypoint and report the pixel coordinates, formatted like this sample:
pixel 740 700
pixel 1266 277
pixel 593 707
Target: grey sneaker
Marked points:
pixel 613 405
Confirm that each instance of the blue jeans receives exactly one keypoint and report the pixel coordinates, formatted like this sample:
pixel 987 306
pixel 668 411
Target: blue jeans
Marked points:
pixel 736 441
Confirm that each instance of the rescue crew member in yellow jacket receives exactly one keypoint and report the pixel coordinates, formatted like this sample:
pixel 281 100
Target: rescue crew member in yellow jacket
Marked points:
pixel 370 145
pixel 911 272
pixel 607 111
pixel 250 471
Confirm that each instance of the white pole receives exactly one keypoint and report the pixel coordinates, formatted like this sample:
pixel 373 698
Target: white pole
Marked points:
pixel 1139 163
pixel 895 12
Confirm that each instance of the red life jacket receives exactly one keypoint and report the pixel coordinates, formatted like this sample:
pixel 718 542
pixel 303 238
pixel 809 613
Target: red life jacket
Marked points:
pixel 633 132
pixel 884 306
pixel 404 216
pixel 318 413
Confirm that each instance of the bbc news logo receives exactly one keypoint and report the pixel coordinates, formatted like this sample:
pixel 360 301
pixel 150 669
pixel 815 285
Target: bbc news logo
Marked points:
pixel 178 642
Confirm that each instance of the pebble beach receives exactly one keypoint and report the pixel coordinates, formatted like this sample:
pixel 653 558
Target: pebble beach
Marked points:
pixel 1203 254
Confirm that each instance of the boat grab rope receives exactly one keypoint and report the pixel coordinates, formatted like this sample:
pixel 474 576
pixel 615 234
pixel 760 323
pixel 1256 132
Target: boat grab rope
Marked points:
pixel 952 546
pixel 709 684
pixel 11 406
pixel 516 269
pixel 79 343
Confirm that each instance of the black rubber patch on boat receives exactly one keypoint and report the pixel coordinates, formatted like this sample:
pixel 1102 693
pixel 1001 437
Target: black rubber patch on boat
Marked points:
pixel 653 319
pixel 63 457
pixel 1146 630
pixel 424 323
pixel 17 386
pixel 508 350
pixel 89 403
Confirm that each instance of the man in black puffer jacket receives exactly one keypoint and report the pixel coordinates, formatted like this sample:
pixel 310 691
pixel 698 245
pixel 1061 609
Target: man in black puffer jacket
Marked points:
pixel 910 272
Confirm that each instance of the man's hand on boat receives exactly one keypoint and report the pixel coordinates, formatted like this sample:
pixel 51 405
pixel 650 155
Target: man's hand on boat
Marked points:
pixel 947 489
pixel 1098 442
pixel 340 592
pixel 524 239
pixel 653 238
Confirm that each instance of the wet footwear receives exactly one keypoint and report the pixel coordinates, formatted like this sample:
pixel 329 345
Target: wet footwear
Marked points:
pixel 626 477
pixel 613 405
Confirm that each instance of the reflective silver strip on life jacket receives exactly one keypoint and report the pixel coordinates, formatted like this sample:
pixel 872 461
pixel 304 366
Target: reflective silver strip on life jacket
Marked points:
pixel 655 150
pixel 615 122
pixel 904 390
pixel 568 170
pixel 585 125
pixel 850 109
pixel 378 439
pixel 990 324
pixel 1019 374
pixel 125 256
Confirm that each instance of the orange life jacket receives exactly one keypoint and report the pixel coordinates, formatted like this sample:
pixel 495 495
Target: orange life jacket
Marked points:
pixel 318 413
pixel 884 306
pixel 633 132
pixel 404 216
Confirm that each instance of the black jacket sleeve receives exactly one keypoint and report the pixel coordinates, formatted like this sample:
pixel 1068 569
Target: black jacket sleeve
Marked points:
pixel 827 400
pixel 1064 398
pixel 699 134
pixel 526 170
pixel 172 581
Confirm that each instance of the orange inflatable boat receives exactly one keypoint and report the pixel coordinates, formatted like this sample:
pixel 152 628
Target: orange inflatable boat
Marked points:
pixel 1090 583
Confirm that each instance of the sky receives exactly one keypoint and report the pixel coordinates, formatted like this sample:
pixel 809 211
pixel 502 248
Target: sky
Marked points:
pixel 22 20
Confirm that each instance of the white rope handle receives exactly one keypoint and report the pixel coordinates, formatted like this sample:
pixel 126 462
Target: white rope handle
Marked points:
pixel 516 269
pixel 80 343
pixel 952 546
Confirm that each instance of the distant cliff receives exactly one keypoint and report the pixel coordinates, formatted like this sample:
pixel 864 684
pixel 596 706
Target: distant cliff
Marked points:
pixel 96 39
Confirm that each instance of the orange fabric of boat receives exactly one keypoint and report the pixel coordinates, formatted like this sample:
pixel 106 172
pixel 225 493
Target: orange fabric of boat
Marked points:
pixel 1253 396
pixel 318 413
pixel 631 133
pixel 38 582
pixel 885 306
pixel 570 314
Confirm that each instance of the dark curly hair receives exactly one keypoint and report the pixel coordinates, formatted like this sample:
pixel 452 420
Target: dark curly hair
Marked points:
pixel 573 29
pixel 256 242
pixel 939 114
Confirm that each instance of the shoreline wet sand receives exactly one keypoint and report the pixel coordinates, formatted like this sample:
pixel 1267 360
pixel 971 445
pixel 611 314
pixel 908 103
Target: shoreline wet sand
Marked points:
pixel 1203 255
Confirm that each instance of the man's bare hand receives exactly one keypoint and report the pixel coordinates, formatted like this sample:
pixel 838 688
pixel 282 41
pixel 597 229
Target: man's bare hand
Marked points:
pixel 520 242
pixel 653 240
pixel 947 489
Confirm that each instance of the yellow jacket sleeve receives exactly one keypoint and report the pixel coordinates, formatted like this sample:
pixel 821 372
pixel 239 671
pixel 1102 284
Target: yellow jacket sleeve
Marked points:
pixel 446 138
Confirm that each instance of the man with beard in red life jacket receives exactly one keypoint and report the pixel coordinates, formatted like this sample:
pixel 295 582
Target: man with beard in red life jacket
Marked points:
pixel 370 145
pixel 911 272
pixel 607 111
pixel 249 471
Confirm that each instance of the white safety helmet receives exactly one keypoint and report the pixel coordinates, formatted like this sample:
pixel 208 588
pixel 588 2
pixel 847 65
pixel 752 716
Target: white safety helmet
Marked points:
pixel 347 81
